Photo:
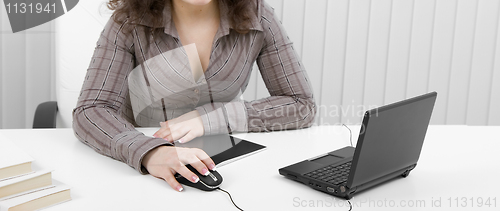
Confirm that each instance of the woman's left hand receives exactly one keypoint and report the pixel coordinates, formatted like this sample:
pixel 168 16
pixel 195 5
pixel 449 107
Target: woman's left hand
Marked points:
pixel 184 128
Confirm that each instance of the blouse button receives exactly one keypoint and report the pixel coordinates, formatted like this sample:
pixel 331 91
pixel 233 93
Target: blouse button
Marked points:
pixel 197 91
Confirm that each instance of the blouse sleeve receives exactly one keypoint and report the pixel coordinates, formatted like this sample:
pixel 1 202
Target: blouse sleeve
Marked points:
pixel 97 119
pixel 291 104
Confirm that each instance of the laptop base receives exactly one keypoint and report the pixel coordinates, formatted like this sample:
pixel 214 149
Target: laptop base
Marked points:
pixel 297 173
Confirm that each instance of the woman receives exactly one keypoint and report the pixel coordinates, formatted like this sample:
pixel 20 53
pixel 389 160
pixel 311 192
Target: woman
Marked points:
pixel 228 35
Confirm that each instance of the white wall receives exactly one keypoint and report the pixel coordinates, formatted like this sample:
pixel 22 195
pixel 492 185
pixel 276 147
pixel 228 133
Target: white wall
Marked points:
pixel 358 54
pixel 365 53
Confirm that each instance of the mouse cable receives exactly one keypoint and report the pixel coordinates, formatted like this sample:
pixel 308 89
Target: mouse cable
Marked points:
pixel 350 205
pixel 230 198
pixel 350 133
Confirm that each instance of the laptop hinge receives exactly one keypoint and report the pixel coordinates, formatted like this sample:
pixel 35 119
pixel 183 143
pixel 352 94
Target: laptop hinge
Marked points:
pixel 401 172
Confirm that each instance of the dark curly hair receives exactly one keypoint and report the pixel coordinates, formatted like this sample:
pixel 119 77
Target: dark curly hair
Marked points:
pixel 134 10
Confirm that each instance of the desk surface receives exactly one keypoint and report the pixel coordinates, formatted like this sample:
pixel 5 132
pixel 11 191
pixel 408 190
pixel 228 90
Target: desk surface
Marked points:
pixel 457 170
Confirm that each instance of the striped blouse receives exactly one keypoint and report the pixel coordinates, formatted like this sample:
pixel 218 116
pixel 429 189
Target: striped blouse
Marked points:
pixel 108 109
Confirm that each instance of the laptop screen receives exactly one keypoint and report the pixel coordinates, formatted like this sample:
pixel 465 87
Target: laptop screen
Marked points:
pixel 391 138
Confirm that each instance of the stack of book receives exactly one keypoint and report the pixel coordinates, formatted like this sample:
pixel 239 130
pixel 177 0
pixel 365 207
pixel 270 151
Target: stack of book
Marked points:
pixel 22 188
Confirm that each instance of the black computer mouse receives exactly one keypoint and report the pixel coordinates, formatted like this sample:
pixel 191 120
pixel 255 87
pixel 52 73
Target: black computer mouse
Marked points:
pixel 207 183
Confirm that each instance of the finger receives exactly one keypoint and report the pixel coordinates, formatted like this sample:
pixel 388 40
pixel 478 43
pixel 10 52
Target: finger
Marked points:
pixel 175 131
pixel 169 177
pixel 187 137
pixel 203 156
pixel 164 133
pixel 186 173
pixel 178 133
pixel 200 167
pixel 162 127
pixel 158 131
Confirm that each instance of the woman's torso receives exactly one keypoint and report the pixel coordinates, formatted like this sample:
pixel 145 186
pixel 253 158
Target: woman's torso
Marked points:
pixel 163 67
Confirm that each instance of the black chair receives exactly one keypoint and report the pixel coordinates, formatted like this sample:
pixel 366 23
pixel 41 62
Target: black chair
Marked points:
pixel 45 115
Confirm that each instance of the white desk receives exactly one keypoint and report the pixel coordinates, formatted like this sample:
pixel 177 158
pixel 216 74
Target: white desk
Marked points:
pixel 456 162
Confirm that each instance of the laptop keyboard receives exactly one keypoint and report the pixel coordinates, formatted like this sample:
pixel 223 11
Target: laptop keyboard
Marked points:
pixel 334 174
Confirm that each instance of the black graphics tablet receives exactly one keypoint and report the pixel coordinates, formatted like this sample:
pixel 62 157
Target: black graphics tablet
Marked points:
pixel 224 149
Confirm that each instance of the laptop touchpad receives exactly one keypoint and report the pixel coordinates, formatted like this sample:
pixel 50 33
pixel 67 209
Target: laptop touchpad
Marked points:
pixel 327 159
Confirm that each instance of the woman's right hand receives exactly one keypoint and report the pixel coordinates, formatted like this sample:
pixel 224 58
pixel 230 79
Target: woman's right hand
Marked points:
pixel 164 161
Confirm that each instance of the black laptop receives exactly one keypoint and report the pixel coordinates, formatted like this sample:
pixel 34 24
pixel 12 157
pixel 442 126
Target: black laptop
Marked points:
pixel 388 146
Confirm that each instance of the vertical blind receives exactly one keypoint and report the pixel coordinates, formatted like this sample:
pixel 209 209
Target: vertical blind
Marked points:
pixel 27 72
pixel 359 54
